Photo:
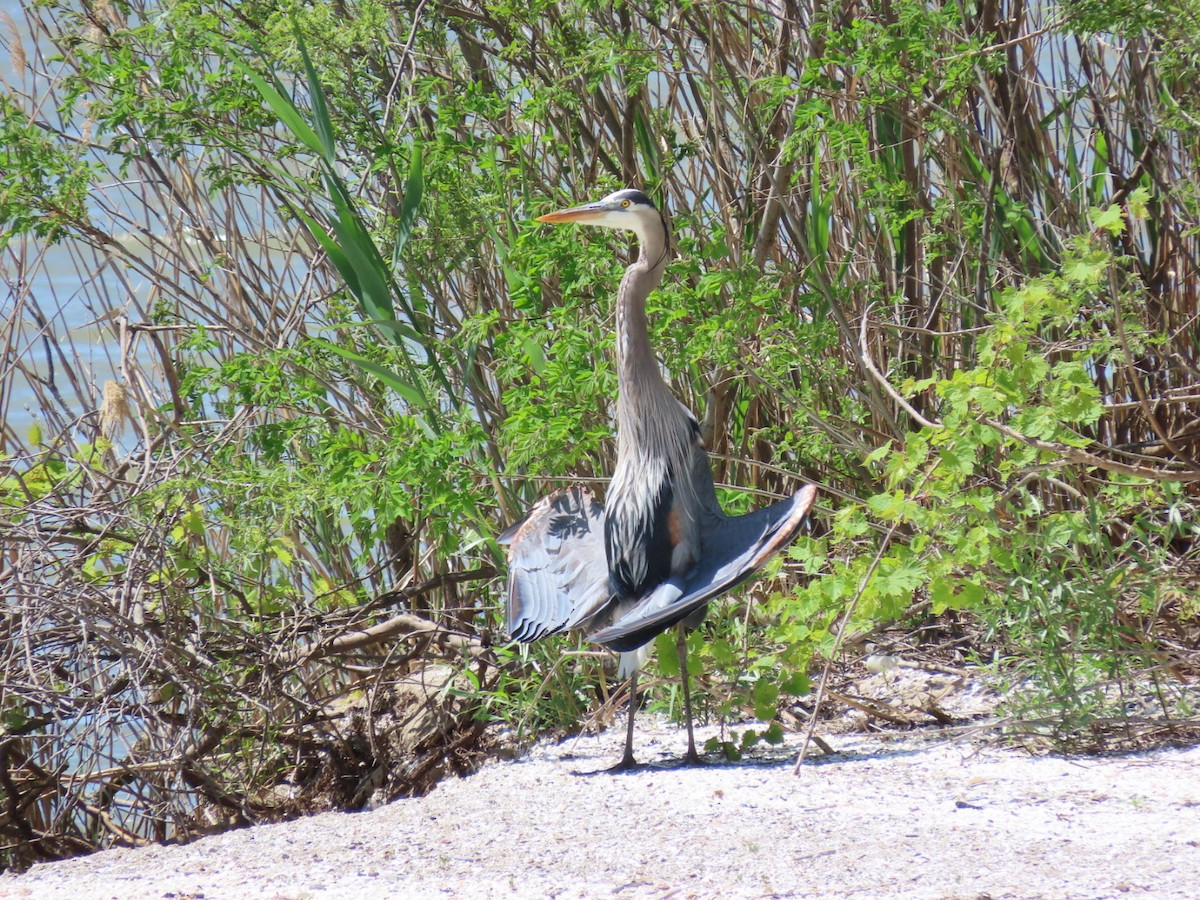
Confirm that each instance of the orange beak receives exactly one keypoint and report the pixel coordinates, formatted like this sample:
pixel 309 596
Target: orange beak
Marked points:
pixel 589 212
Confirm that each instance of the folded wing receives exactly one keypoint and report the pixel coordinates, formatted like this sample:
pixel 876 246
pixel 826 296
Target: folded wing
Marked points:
pixel 557 568
pixel 732 550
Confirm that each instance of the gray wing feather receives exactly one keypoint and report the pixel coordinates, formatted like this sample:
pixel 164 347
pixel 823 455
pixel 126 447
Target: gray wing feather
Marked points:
pixel 732 550
pixel 557 569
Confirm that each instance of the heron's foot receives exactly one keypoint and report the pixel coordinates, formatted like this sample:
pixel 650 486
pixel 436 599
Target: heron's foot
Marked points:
pixel 627 764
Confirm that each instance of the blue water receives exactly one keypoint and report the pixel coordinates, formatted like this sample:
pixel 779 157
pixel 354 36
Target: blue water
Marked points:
pixel 67 299
pixel 40 278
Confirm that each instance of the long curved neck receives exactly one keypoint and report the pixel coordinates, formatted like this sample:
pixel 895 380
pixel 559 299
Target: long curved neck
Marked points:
pixel 638 377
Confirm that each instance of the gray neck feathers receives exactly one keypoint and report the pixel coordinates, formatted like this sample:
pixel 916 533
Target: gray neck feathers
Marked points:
pixel 648 415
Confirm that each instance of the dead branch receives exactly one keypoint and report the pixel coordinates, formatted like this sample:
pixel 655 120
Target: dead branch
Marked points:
pixel 1082 457
pixel 398 626
pixel 869 364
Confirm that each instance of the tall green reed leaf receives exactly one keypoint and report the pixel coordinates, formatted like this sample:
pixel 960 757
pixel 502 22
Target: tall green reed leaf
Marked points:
pixel 320 108
pixel 414 190
pixel 284 108
pixel 348 242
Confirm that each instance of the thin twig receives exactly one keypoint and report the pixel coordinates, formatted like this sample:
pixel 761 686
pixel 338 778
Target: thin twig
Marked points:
pixel 869 363
pixel 1082 457
pixel 822 687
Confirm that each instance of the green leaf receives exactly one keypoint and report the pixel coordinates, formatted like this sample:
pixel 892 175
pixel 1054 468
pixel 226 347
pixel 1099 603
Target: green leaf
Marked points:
pixel 822 209
pixel 941 595
pixel 1100 173
pixel 946 593
pixel 1038 422
pixel 971 595
pixel 350 255
pixel 766 696
pixel 281 550
pixel 901 581
pixel 959 456
pixel 406 389
pixel 722 652
pixel 332 249
pixel 371 273
pixel 193 521
pixel 1139 202
pixel 1111 219
pixel 284 108
pixel 414 189
pixel 393 325
pixel 667 654
pixel 647 145
pixel 892 506
pixel 797 684
pixel 324 129
pixel 1084 269
pixel 878 453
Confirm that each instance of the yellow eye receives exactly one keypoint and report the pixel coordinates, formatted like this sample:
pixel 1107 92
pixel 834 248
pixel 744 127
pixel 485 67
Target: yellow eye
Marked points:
pixel 624 204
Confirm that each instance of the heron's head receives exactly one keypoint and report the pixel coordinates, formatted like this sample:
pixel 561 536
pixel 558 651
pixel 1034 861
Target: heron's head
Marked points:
pixel 625 210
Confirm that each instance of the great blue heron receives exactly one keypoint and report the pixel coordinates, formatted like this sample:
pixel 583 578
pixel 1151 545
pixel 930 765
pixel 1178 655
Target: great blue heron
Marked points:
pixel 660 548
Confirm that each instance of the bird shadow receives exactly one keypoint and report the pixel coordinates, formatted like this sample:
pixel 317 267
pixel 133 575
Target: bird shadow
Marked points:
pixel 765 758
pixel 658 765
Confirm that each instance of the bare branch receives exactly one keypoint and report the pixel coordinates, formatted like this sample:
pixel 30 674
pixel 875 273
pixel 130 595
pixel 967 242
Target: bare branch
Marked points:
pixel 865 355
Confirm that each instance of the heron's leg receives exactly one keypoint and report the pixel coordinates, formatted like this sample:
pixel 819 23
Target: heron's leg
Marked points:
pixel 627 761
pixel 692 758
